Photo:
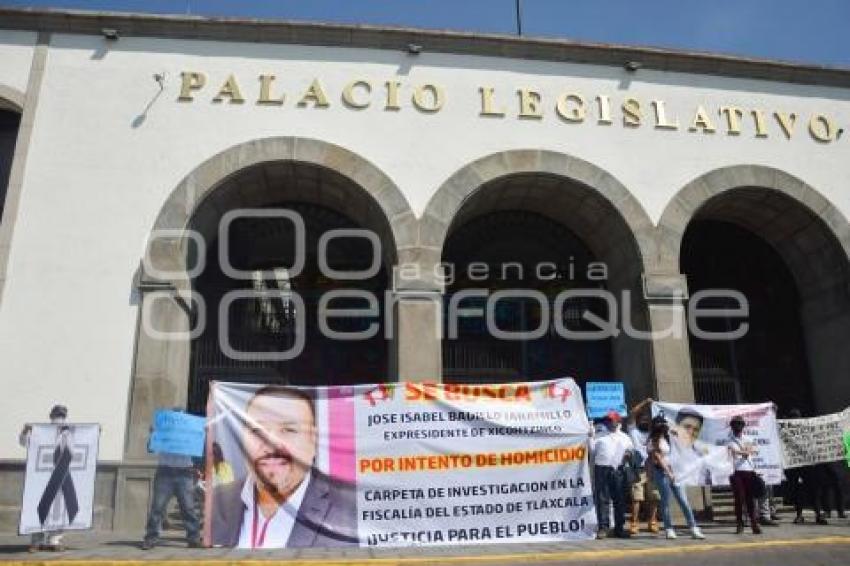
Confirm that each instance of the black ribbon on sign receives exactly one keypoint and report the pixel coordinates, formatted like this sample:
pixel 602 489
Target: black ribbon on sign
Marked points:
pixel 59 479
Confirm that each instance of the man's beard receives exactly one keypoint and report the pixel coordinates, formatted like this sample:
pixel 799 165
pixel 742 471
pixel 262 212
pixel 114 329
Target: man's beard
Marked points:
pixel 277 468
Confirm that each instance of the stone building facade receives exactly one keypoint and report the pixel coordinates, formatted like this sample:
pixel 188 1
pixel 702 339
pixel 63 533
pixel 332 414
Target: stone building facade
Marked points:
pixel 129 137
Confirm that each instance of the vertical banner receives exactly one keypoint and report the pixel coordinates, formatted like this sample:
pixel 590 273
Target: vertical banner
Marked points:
pixel 59 480
pixel 814 441
pixel 699 435
pixel 400 464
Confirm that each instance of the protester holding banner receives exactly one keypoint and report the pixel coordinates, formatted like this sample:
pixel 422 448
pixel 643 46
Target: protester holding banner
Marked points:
pixel 804 484
pixel 610 451
pixel 644 489
pixel 743 479
pixel 659 453
pixel 174 477
pixel 407 464
pixel 49 540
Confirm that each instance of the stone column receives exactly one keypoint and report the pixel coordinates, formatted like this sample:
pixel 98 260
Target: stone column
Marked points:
pixel 665 295
pixel 417 324
pixel 160 380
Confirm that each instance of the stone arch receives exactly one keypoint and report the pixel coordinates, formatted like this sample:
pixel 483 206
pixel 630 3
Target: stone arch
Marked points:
pixel 590 202
pixel 161 369
pixel 168 252
pixel 11 99
pixel 457 189
pixel 694 196
pixel 809 235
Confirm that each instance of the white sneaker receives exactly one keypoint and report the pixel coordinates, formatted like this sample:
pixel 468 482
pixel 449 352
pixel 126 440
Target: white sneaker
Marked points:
pixel 697 534
pixel 671 534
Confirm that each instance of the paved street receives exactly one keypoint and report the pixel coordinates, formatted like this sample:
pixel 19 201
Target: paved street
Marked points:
pixel 787 545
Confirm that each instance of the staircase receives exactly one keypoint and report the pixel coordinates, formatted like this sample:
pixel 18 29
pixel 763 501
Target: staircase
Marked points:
pixel 722 507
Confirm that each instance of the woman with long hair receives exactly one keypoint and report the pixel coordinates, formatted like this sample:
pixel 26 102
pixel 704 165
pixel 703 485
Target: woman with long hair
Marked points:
pixel 658 447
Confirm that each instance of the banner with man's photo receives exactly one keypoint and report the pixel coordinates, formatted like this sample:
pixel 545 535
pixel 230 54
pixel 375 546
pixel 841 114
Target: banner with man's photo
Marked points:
pixel 816 440
pixel 699 435
pixel 397 464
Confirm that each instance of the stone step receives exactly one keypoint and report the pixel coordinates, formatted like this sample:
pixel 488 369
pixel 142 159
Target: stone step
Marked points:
pixel 10 517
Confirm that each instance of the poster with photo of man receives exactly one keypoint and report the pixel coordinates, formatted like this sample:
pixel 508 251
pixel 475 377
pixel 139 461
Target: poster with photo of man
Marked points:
pixel 699 435
pixel 386 465
pixel 285 492
pixel 60 475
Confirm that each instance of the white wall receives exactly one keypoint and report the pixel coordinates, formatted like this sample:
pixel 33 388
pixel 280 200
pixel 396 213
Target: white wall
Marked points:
pixel 98 174
pixel 16 49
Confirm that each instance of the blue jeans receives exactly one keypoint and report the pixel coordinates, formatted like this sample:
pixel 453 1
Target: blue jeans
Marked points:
pixel 178 482
pixel 665 488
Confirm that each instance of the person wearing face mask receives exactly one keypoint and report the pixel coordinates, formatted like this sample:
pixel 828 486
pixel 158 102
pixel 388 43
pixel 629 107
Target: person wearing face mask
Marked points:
pixel 743 478
pixel 611 451
pixel 643 490
pixel 50 540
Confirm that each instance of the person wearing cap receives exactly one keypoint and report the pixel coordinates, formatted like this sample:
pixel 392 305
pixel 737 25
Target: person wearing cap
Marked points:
pixel 743 477
pixel 611 451
pixel 49 540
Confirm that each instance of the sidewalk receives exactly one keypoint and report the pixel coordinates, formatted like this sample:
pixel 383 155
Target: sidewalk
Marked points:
pixel 107 548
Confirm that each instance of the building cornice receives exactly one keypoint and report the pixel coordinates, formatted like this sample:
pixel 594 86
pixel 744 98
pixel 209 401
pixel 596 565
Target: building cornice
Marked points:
pixel 398 38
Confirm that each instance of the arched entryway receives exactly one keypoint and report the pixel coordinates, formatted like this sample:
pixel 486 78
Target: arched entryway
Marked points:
pixel 328 188
pixel 272 333
pixel 543 224
pixel 778 242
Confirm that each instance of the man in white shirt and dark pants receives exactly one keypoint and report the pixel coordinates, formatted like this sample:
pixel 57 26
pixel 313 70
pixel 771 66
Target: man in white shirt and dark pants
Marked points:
pixel 610 451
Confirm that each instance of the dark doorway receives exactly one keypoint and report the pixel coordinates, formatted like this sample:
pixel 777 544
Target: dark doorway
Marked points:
pixel 263 325
pixel 521 250
pixel 769 363
pixel 9 124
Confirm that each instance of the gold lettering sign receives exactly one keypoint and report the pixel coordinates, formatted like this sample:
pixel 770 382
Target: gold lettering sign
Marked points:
pixel 570 106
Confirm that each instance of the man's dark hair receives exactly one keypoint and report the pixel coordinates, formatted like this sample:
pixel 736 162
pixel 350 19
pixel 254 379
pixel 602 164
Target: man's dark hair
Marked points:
pixel 285 391
pixel 688 412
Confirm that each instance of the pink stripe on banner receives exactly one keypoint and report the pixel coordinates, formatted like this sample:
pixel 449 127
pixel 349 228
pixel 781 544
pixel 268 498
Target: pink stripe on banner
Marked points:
pixel 341 425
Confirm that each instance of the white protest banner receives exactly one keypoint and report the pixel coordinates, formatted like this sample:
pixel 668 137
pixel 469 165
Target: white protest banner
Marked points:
pixel 814 441
pixel 699 435
pixel 59 480
pixel 402 464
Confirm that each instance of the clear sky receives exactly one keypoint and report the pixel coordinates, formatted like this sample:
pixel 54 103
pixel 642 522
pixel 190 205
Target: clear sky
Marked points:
pixel 812 31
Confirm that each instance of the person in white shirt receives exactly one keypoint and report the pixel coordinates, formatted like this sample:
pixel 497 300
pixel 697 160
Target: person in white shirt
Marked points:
pixel 744 476
pixel 610 451
pixel 644 489
pixel 658 448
